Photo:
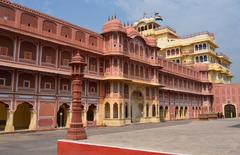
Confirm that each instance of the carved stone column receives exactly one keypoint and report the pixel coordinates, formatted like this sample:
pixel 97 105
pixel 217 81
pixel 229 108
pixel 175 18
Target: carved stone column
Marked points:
pixel 76 130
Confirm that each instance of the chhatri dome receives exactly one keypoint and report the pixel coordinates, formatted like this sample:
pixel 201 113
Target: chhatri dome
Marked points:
pixel 113 24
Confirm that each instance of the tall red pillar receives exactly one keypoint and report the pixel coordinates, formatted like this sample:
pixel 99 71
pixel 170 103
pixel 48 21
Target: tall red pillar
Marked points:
pixel 76 130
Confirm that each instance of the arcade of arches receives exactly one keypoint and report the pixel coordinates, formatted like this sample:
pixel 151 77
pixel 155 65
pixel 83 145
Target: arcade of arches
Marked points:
pixel 139 110
pixel 24 117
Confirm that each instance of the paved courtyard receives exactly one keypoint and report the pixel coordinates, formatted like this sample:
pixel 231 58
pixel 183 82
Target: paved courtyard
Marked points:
pixel 215 137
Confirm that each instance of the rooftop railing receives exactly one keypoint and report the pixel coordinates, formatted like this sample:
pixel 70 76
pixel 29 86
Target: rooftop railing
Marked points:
pixel 165 27
pixel 196 34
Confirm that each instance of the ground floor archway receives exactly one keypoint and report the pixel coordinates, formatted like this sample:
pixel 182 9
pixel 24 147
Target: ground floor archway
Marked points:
pixel 166 113
pixel 176 112
pixel 229 111
pixel 3 115
pixel 22 116
pixel 137 102
pixel 161 113
pixel 62 115
pixel 91 113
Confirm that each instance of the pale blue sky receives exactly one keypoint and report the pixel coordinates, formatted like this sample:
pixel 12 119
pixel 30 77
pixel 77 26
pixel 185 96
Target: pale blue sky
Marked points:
pixel 222 17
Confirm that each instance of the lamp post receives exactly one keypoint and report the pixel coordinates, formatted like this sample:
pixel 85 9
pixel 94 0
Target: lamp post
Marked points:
pixel 76 130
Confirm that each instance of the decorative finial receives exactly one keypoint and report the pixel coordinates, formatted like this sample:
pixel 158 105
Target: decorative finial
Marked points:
pixel 144 14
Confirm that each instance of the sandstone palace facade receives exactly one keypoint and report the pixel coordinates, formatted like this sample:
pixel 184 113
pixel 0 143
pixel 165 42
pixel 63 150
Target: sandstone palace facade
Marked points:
pixel 125 79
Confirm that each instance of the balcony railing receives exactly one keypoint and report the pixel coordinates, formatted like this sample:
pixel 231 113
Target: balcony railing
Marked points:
pixel 5 57
pixel 27 61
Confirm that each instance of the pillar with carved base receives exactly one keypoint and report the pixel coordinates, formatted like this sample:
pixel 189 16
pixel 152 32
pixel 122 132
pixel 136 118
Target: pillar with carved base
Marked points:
pixel 76 130
pixel 9 124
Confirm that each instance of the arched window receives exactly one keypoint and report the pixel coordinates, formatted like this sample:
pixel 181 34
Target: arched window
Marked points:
pixel 205 58
pixel 115 110
pixel 200 47
pixel 107 110
pixel 177 51
pixel 168 53
pixel 196 47
pixel 92 64
pixel 178 61
pixel 125 69
pixel 197 59
pixel 204 46
pixel 153 110
pixel 201 58
pixel 150 26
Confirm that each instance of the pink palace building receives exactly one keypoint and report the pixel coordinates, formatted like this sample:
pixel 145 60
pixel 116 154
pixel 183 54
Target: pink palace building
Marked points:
pixel 125 80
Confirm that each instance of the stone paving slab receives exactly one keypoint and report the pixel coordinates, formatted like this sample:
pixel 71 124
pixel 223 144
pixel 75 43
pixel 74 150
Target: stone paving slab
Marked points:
pixel 44 142
pixel 214 137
